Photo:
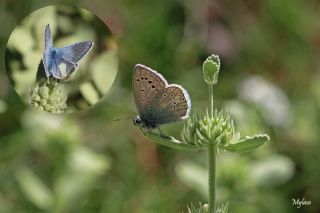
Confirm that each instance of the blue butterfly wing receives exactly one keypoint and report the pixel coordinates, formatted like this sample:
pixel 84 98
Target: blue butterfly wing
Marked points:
pixel 70 55
pixel 54 69
pixel 73 53
pixel 70 67
pixel 48 45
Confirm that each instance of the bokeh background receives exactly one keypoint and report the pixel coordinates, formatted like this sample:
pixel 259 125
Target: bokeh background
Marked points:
pixel 269 81
pixel 69 24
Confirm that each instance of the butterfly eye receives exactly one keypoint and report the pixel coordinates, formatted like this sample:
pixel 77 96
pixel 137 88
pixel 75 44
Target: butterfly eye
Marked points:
pixel 174 103
pixel 157 97
pixel 138 79
pixel 150 82
pixel 164 95
pixel 153 86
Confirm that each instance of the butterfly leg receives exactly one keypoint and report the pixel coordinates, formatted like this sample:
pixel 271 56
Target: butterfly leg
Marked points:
pixel 142 130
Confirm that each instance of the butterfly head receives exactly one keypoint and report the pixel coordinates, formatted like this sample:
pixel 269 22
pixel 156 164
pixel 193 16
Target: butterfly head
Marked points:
pixel 137 121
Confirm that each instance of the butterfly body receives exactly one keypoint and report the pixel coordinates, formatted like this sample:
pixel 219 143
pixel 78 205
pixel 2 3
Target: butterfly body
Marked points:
pixel 143 123
pixel 157 101
pixel 70 56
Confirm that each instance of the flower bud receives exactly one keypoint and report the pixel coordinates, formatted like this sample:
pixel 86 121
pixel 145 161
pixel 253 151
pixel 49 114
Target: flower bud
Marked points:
pixel 204 130
pixel 48 96
pixel 211 68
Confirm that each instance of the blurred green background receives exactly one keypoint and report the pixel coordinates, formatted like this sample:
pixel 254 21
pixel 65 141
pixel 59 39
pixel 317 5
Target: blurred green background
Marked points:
pixel 269 81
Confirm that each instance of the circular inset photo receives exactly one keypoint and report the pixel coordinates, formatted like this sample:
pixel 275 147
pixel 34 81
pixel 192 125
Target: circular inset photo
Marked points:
pixel 61 59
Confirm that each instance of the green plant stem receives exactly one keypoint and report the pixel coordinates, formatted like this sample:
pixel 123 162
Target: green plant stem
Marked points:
pixel 212 162
pixel 211 99
pixel 212 176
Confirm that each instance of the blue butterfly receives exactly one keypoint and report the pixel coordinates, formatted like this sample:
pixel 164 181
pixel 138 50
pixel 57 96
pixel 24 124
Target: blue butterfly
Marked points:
pixel 157 101
pixel 70 56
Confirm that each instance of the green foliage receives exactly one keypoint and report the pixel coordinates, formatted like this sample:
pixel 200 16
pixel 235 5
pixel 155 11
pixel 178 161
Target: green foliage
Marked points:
pixel 170 141
pixel 204 208
pixel 200 209
pixel 248 144
pixel 198 132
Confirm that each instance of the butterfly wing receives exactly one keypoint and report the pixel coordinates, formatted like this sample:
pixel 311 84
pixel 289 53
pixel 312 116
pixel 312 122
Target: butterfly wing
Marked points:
pixel 158 102
pixel 54 70
pixel 48 44
pixel 73 53
pixel 146 84
pixel 69 67
pixel 170 105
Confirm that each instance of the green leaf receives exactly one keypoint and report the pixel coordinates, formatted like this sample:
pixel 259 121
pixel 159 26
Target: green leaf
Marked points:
pixel 247 144
pixel 170 141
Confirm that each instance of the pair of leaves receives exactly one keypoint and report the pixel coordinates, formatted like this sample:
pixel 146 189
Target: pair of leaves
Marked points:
pixel 247 144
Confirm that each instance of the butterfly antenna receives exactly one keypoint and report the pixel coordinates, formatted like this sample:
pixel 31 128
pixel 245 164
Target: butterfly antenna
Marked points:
pixel 120 119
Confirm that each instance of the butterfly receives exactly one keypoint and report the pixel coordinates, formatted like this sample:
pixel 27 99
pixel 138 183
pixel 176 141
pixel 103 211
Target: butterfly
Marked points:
pixel 157 101
pixel 69 56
